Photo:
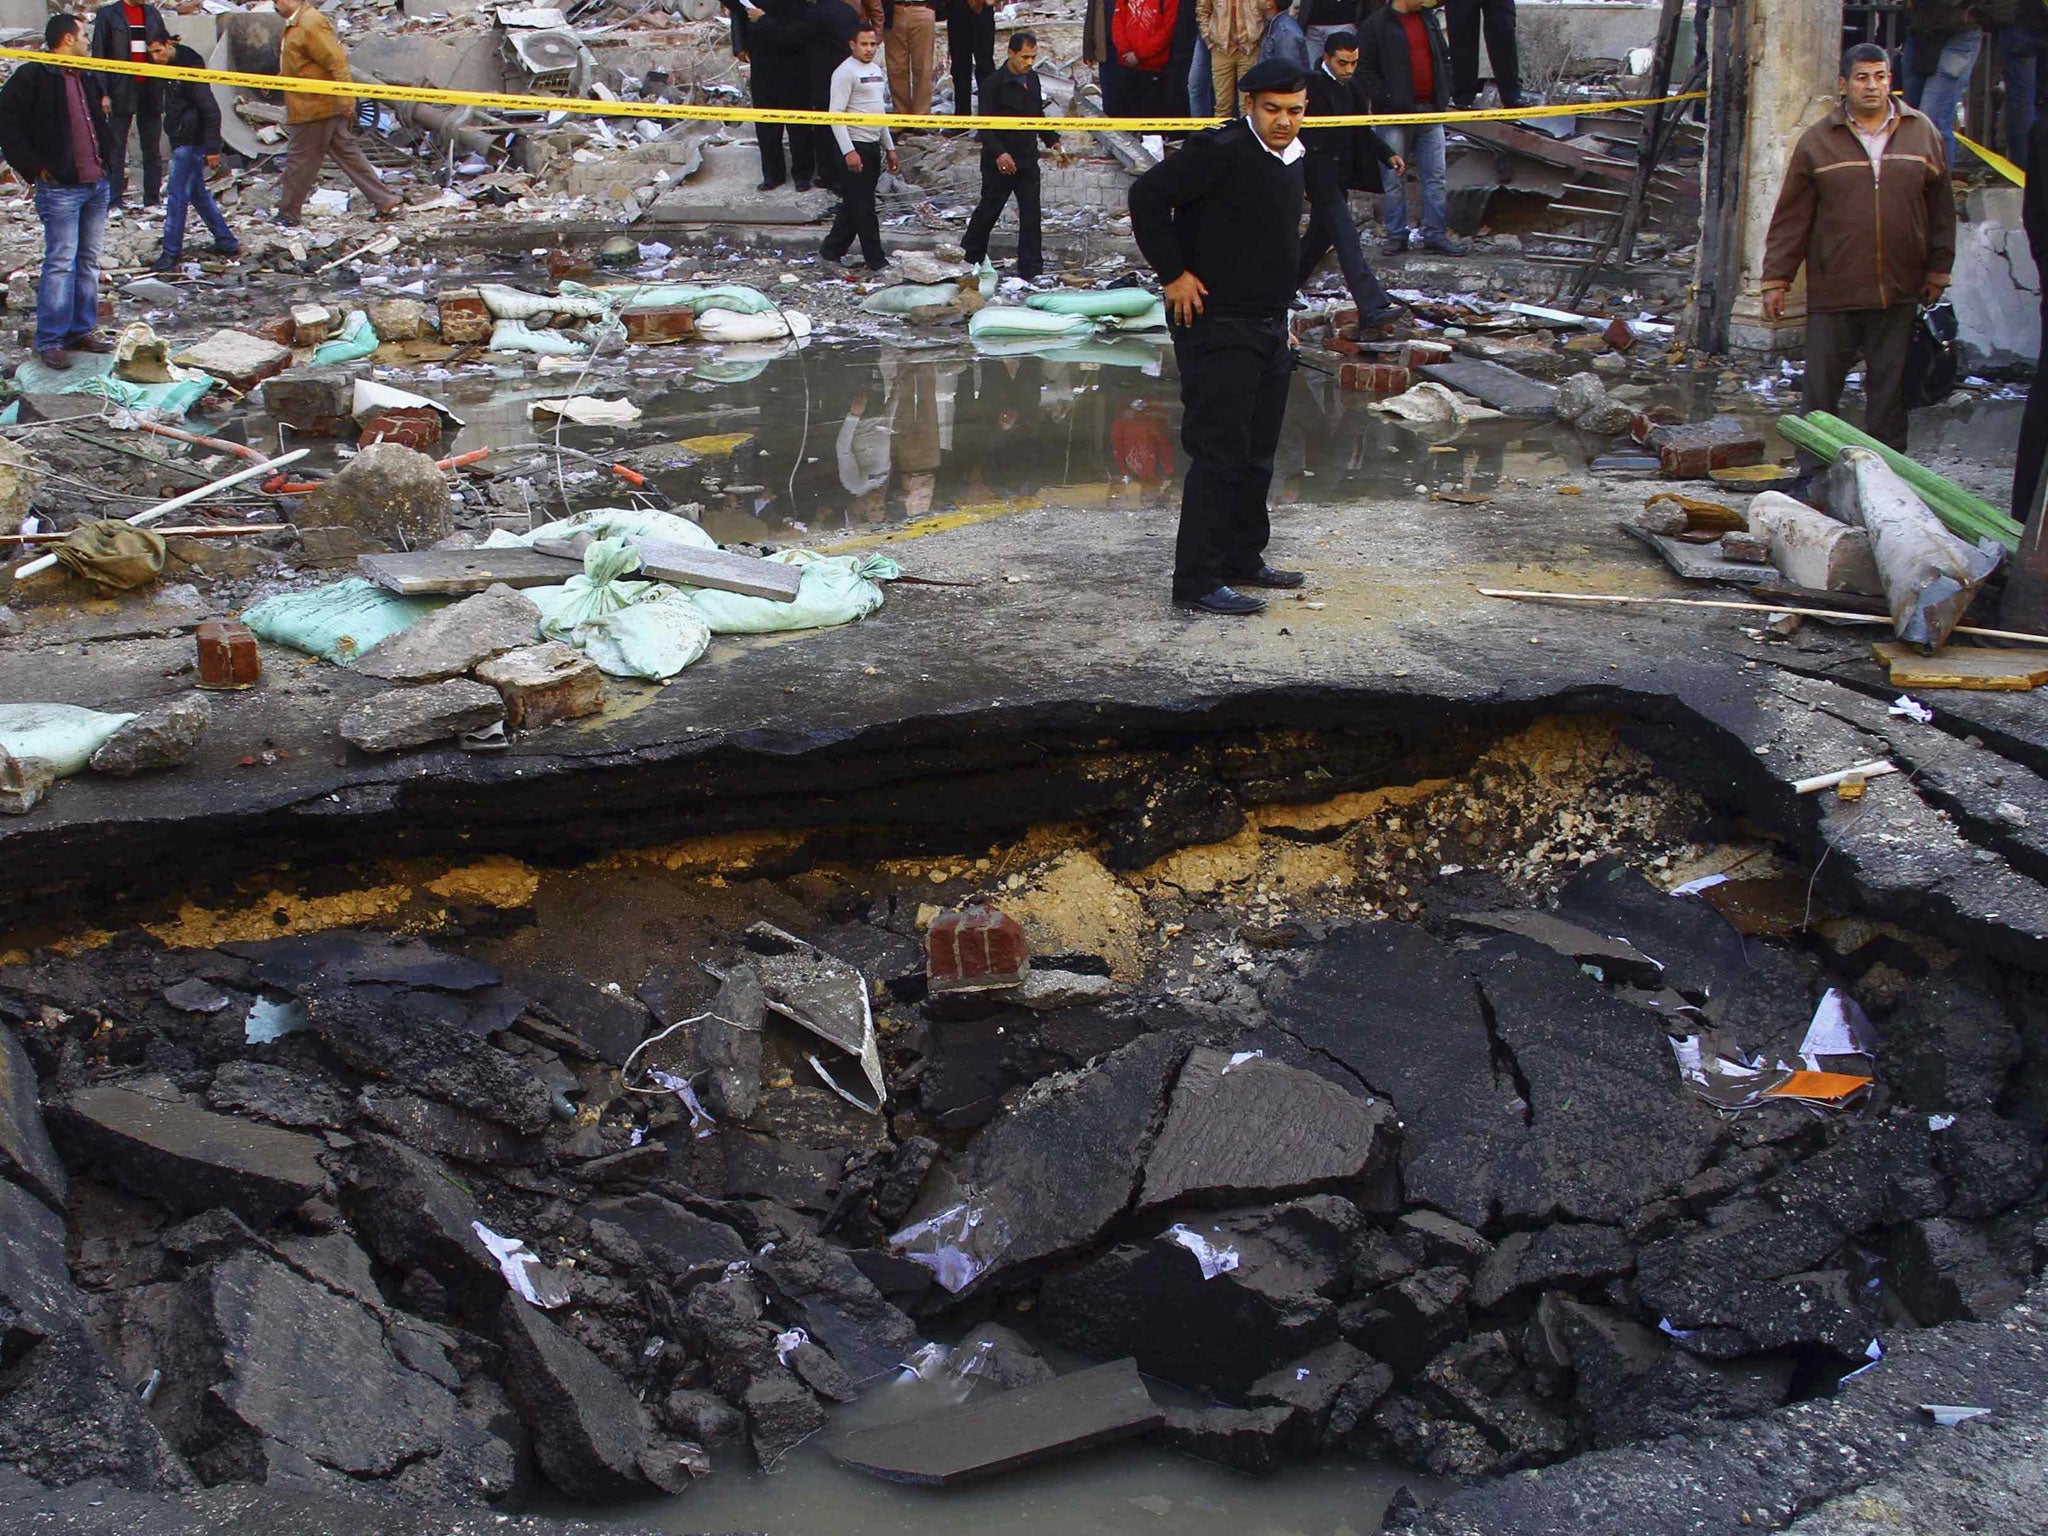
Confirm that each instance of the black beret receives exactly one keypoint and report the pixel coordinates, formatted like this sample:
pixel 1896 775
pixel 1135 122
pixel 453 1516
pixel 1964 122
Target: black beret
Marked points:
pixel 1275 75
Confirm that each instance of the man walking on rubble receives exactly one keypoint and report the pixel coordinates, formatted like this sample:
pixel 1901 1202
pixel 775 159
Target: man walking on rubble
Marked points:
pixel 1009 157
pixel 125 30
pixel 860 87
pixel 319 125
pixel 192 123
pixel 1219 221
pixel 1338 160
pixel 1874 250
pixel 51 129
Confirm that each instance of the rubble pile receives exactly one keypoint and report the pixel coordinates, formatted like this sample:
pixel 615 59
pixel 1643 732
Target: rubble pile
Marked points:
pixel 1443 1190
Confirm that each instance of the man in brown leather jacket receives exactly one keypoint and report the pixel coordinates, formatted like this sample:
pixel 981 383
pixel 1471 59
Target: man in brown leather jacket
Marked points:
pixel 1868 210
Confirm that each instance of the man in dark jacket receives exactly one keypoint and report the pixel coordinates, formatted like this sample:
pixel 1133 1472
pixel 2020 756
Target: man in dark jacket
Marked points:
pixel 125 31
pixel 1219 221
pixel 1405 67
pixel 2023 45
pixel 51 127
pixel 2033 451
pixel 970 48
pixel 1009 156
pixel 192 124
pixel 775 37
pixel 1338 160
pixel 1867 209
pixel 833 23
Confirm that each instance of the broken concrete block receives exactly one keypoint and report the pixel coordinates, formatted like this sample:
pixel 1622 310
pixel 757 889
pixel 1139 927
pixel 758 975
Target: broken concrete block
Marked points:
pixel 1245 1129
pixel 1563 1257
pixel 163 737
pixel 188 1159
pixel 237 359
pixel 588 1430
pixel 1997 289
pixel 1811 549
pixel 544 684
pixel 25 1151
pixel 386 493
pixel 1046 991
pixel 228 659
pixel 1634 1385
pixel 21 476
pixel 781 1414
pixel 729 1045
pixel 23 782
pixel 413 717
pixel 839 1306
pixel 1492 384
pixel 405 1037
pixel 1255 1441
pixel 311 324
pixel 1947 1270
pixel 313 402
pixel 453 640
pixel 975 950
pixel 463 317
pixel 1693 450
pixel 1016 1429
pixel 399 319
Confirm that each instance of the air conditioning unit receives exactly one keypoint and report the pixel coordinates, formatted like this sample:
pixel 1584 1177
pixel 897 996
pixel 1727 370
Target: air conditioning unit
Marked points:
pixel 551 58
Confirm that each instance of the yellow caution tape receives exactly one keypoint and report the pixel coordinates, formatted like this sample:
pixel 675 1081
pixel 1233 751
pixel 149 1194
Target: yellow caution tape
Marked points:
pixel 659 110
pixel 1995 160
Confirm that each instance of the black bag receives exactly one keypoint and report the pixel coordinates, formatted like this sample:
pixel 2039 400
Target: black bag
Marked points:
pixel 1934 361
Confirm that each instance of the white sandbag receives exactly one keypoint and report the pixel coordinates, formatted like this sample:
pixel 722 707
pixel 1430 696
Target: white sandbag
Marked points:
pixel 835 589
pixel 1811 549
pixel 696 297
pixel 1150 319
pixel 906 298
pixel 1095 303
pixel 1929 574
pixel 609 523
pixel 728 325
pixel 1014 320
pixel 516 304
pixel 518 336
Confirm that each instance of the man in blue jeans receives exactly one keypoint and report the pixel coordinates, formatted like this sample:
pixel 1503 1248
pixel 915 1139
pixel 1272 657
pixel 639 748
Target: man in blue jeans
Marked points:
pixel 2023 42
pixel 192 124
pixel 1942 39
pixel 50 132
pixel 1405 67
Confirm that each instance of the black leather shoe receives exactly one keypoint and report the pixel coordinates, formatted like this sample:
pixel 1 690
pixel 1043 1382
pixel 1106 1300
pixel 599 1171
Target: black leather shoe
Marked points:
pixel 1266 576
pixel 1223 600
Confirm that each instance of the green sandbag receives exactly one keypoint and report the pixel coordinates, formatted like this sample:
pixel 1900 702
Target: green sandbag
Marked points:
pixel 339 621
pixel 835 589
pixel 1096 303
pixel 905 297
pixel 62 735
pixel 697 297
pixel 358 339
pixel 1010 320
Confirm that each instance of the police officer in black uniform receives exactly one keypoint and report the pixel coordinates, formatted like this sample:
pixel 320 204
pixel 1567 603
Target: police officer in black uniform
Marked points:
pixel 1009 157
pixel 1220 222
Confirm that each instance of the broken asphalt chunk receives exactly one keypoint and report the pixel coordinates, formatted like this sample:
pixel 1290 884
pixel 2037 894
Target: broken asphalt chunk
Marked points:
pixel 189 1159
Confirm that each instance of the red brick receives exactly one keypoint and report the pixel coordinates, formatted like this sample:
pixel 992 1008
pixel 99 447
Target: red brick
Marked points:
pixel 1343 344
pixel 227 655
pixel 1645 422
pixel 1693 451
pixel 1619 335
pixel 1373 378
pixel 1420 354
pixel 652 326
pixel 1346 318
pixel 417 427
pixel 975 949
pixel 463 317
pixel 281 330
pixel 562 264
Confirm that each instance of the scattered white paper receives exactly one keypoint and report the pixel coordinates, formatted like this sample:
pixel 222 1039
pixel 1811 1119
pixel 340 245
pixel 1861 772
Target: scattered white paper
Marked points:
pixel 1241 1058
pixel 1839 1028
pixel 1694 887
pixel 588 410
pixel 1940 1122
pixel 701 1123
pixel 523 1269
pixel 788 1342
pixel 1910 708
pixel 1213 1259
pixel 269 1021
pixel 1873 1352
pixel 1948 1415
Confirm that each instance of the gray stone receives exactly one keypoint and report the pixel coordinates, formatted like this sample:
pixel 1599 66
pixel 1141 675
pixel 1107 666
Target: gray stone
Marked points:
pixel 25 1151
pixel 387 495
pixel 1045 990
pixel 702 1417
pixel 164 737
pixel 189 1159
pixel 236 358
pixel 447 1131
pixel 36 1297
pixel 1440 1240
pixel 397 1034
pixel 1313 1385
pixel 1261 1130
pixel 993 1356
pixel 413 1216
pixel 1948 1044
pixel 400 319
pixel 1556 1258
pixel 1492 384
pixel 781 1415
pixel 1945 1270
pixel 1015 1429
pixel 194 995
pixel 453 640
pixel 279 1095
pixel 415 717
pixel 21 476
pixel 1220 1334
pixel 589 1434
pixel 729 1045
pixel 24 781
pixel 1254 1441
pixel 1632 1384
pixel 1406 1323
pixel 1056 1171
pixel 839 1306
pixel 313 402
pixel 310 1380
pixel 679 1241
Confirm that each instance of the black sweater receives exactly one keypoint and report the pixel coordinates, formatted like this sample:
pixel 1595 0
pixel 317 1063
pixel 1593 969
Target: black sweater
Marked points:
pixel 191 114
pixel 1223 207
pixel 1339 157
pixel 1004 93
pixel 35 123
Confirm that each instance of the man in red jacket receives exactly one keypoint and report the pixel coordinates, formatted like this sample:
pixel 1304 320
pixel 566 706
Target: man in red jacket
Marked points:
pixel 1867 209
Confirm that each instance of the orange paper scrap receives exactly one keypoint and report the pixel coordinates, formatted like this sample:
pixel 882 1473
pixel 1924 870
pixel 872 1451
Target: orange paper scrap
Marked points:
pixel 1825 1087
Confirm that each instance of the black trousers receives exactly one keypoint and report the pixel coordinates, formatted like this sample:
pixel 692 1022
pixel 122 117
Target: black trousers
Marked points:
pixel 1881 338
pixel 784 84
pixel 827 168
pixel 1466 19
pixel 971 47
pixel 1329 224
pixel 1233 390
pixel 2033 455
pixel 996 190
pixel 857 218
pixel 148 119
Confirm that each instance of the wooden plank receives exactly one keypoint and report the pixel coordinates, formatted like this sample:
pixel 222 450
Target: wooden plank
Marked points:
pixel 426 572
pixel 1963 667
pixel 687 566
pixel 1020 1427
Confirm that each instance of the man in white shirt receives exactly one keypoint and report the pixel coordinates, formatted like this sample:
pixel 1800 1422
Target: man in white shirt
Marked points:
pixel 860 87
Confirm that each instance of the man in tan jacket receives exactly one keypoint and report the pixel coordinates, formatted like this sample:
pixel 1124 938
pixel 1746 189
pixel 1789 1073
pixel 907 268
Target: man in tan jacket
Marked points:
pixel 1233 29
pixel 319 124
pixel 1868 210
